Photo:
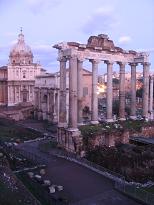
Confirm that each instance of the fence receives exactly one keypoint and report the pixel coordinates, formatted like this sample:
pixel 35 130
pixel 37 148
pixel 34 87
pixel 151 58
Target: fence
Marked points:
pixel 135 192
pixel 36 158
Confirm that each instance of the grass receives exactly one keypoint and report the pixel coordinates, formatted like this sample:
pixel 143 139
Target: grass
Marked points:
pixel 9 197
pixel 9 131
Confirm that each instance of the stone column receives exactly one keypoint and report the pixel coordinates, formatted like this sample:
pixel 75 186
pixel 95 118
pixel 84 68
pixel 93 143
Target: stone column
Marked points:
pixel 133 91
pixel 146 66
pixel 94 103
pixel 73 93
pixel 80 89
pixel 48 105
pixel 62 97
pixel 122 92
pixel 151 98
pixel 109 91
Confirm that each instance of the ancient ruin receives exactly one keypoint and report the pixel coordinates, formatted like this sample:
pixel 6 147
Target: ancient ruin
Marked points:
pixel 98 48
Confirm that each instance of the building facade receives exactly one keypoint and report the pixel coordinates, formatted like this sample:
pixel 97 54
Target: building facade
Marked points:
pixel 47 94
pixel 18 77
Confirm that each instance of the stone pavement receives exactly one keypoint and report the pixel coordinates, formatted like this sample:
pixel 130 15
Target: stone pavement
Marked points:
pixel 81 185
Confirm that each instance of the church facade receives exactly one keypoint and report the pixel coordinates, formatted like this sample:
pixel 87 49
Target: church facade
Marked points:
pixel 17 79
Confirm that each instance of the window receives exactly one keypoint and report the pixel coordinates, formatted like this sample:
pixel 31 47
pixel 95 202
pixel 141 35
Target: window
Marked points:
pixel 85 91
pixel 24 74
pixel 45 98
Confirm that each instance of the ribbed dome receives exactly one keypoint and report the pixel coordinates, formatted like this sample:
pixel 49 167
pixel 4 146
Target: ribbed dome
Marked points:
pixel 21 53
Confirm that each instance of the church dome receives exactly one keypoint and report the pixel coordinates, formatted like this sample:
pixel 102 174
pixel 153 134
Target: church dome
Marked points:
pixel 20 52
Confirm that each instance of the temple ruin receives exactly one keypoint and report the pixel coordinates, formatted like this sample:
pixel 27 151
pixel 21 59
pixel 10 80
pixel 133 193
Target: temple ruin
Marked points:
pixel 98 49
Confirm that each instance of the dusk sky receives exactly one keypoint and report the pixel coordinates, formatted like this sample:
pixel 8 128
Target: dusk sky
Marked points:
pixel 129 23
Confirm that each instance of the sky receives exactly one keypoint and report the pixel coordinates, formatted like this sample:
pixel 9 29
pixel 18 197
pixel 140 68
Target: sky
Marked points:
pixel 129 23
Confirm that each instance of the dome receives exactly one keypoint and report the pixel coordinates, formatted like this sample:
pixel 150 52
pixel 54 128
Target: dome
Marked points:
pixel 21 53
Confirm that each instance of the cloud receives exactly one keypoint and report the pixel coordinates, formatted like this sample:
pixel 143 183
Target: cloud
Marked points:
pixel 101 21
pixel 46 55
pixel 41 5
pixel 124 39
pixel 149 50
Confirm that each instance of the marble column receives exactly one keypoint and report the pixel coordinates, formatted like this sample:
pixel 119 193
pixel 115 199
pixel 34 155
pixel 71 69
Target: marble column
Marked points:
pixel 62 97
pixel 122 92
pixel 133 91
pixel 73 93
pixel 146 66
pixel 151 98
pixel 80 89
pixel 109 95
pixel 48 105
pixel 94 103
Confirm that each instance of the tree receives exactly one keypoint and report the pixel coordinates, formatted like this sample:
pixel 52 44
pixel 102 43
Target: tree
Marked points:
pixel 139 93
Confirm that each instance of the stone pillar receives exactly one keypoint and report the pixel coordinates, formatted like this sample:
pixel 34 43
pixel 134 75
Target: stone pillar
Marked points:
pixel 109 91
pixel 62 97
pixel 80 89
pixel 94 103
pixel 151 98
pixel 146 66
pixel 133 91
pixel 48 105
pixel 73 93
pixel 39 105
pixel 122 92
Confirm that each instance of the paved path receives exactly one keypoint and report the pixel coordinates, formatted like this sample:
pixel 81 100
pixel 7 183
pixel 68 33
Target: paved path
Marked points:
pixel 81 185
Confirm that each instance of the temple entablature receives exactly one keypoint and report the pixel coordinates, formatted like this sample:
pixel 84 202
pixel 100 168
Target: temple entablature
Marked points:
pixel 102 48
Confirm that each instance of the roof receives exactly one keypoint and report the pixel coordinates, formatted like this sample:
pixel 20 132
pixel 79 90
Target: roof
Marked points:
pixel 46 75
pixel 3 67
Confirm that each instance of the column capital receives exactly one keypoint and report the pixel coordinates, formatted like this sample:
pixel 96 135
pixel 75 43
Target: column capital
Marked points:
pixel 109 62
pixel 133 64
pixel 146 64
pixel 95 61
pixel 81 59
pixel 73 56
pixel 121 64
pixel 62 59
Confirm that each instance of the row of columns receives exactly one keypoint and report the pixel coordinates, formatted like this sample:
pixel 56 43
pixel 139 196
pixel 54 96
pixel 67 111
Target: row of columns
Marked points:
pixel 76 91
pixel 46 109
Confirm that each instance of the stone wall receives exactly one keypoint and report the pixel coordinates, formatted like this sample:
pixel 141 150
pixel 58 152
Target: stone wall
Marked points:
pixel 146 131
pixel 113 138
pixel 109 139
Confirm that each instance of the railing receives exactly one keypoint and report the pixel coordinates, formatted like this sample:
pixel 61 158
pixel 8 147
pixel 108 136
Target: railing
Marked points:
pixel 35 158
pixel 135 192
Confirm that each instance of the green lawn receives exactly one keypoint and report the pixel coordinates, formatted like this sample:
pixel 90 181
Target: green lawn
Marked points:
pixel 9 197
pixel 10 131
